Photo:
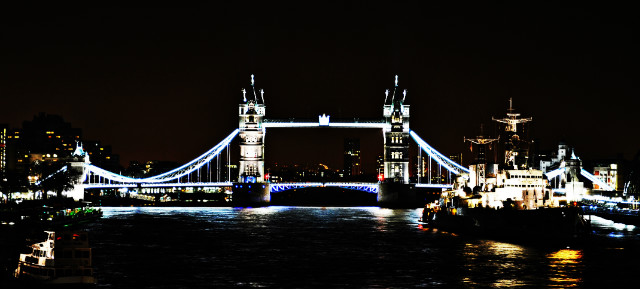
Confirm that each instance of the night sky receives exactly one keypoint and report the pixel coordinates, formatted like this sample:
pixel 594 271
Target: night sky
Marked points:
pixel 163 81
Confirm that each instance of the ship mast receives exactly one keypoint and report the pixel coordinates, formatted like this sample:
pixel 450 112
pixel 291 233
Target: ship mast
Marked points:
pixel 512 119
pixel 480 167
pixel 512 149
pixel 481 142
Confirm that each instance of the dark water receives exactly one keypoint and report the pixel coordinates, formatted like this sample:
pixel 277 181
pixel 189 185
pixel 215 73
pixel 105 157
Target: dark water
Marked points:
pixel 299 247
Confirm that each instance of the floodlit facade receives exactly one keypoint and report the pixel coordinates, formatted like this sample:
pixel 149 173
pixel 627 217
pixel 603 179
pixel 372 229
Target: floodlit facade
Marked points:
pixel 607 174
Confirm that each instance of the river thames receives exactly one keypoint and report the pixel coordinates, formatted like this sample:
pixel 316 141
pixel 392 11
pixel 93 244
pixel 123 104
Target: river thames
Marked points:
pixel 351 247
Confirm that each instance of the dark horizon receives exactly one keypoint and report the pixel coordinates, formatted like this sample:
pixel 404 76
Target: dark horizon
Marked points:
pixel 163 82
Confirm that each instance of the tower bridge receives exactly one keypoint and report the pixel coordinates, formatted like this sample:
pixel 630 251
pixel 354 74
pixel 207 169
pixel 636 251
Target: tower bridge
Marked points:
pixel 250 185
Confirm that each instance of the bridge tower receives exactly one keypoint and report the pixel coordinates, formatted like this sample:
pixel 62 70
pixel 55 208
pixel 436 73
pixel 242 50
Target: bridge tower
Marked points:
pixel 396 137
pixel 77 163
pixel 396 191
pixel 251 187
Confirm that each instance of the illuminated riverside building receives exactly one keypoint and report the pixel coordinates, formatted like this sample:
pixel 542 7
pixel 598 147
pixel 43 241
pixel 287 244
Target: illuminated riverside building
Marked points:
pixel 45 138
pixel 48 138
pixel 607 174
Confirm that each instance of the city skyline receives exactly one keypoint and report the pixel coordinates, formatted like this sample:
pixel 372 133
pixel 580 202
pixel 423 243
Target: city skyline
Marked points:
pixel 164 82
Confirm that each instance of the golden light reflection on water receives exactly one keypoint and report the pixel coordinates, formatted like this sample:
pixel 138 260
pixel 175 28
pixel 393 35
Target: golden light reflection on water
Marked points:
pixel 507 252
pixel 495 263
pixel 565 268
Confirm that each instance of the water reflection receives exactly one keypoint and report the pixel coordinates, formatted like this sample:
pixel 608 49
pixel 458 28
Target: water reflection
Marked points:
pixel 498 264
pixel 566 268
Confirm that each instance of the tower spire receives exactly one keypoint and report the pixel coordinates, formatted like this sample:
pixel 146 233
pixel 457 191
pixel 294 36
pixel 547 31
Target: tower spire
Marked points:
pixel 255 98
pixel 393 96
pixel 510 104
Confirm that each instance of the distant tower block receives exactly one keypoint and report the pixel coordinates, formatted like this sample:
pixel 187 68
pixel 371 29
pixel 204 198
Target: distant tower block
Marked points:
pixel 396 138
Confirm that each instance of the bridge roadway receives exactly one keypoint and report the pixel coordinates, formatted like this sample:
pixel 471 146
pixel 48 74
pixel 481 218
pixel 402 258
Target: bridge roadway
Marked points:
pixel 273 187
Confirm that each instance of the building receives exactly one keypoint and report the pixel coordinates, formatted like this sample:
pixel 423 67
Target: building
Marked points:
pixel 380 166
pixel 4 128
pixel 457 158
pixel 420 168
pixel 48 138
pixel 102 156
pixel 608 174
pixel 352 162
pixel 548 163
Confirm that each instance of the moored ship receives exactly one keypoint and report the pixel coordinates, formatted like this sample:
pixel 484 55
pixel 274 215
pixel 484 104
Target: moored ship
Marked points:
pixel 508 199
pixel 63 258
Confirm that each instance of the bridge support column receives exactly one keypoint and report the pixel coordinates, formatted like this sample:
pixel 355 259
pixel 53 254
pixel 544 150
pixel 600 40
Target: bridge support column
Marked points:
pixel 251 194
pixel 252 188
pixel 398 195
pixel 396 191
pixel 396 138
pixel 77 166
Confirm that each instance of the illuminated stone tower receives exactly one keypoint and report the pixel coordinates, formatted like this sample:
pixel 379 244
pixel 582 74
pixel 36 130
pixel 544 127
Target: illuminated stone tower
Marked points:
pixel 396 137
pixel 251 169
pixel 251 189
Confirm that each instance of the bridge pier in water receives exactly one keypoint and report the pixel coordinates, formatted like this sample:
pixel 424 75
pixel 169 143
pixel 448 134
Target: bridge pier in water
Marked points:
pixel 251 194
pixel 398 195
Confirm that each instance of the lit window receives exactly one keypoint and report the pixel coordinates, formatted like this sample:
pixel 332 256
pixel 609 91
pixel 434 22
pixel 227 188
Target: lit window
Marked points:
pixel 101 149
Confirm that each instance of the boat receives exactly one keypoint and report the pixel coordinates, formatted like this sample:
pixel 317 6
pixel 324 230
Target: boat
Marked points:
pixel 507 200
pixel 48 215
pixel 63 258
